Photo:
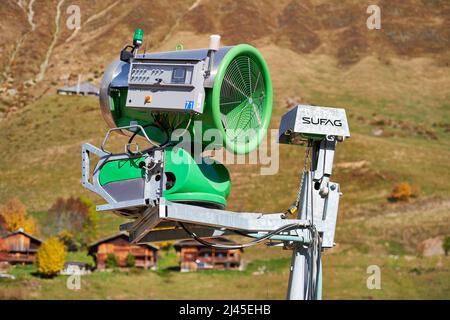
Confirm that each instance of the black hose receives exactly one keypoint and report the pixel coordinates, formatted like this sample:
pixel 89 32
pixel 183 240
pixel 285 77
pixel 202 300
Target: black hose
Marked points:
pixel 239 246
pixel 148 149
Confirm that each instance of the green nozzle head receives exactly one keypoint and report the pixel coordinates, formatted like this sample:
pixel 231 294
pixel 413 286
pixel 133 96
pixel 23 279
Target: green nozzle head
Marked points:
pixel 138 36
pixel 179 47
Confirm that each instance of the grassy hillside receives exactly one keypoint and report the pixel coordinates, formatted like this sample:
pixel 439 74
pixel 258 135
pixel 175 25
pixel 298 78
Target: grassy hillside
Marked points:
pixel 43 140
pixel 39 51
pixel 394 82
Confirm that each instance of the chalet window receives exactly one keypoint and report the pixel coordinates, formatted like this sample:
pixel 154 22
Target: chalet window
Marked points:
pixel 204 254
pixel 190 257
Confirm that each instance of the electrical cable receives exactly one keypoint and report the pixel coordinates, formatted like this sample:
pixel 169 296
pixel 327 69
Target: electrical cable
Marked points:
pixel 296 205
pixel 314 246
pixel 156 125
pixel 244 245
pixel 318 263
pixel 186 128
pixel 312 276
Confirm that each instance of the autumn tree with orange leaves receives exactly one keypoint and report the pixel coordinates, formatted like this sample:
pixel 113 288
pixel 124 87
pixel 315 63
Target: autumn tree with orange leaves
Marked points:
pixel 14 216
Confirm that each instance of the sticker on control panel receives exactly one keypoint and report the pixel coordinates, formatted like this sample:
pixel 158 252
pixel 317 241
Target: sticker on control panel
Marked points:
pixel 189 104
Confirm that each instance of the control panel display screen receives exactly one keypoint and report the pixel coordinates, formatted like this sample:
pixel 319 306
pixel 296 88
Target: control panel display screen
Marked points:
pixel 179 75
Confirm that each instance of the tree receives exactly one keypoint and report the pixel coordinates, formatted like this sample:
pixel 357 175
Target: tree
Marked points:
pixel 50 257
pixel 67 214
pixel 76 216
pixel 91 223
pixel 131 260
pixel 69 240
pixel 2 223
pixel 446 245
pixel 14 216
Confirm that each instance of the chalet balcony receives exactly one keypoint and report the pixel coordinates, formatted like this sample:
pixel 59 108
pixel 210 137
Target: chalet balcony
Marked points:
pixel 18 257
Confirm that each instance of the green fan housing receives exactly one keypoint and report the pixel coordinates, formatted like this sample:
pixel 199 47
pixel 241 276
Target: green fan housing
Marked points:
pixel 239 104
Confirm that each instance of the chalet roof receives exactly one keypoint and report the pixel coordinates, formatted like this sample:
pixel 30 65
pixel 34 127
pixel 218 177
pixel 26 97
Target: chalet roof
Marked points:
pixel 84 87
pixel 119 235
pixel 20 231
pixel 194 243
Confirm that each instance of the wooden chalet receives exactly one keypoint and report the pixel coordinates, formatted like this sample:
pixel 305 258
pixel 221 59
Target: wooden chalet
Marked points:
pixel 195 256
pixel 19 247
pixel 146 255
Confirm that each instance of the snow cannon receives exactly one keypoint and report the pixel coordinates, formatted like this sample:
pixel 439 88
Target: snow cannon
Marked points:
pixel 169 100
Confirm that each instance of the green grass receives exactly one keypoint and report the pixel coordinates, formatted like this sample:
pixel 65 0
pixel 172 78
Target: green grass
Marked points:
pixel 345 277
pixel 167 259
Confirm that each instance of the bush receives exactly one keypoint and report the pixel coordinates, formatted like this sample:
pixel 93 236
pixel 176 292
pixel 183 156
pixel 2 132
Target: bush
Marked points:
pixel 446 245
pixel 401 192
pixel 111 261
pixel 50 257
pixel 130 261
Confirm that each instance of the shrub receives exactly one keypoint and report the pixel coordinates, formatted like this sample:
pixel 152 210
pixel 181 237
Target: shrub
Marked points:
pixel 401 192
pixel 446 245
pixel 50 257
pixel 14 216
pixel 111 261
pixel 130 261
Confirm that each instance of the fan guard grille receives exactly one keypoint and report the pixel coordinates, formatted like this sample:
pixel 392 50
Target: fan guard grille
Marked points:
pixel 242 98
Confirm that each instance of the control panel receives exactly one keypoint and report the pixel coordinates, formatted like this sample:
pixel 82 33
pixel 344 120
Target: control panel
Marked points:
pixel 166 86
pixel 160 75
